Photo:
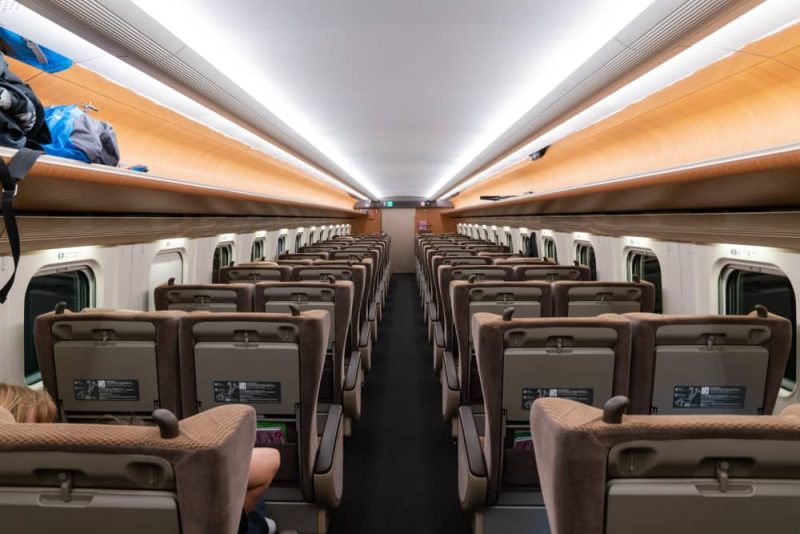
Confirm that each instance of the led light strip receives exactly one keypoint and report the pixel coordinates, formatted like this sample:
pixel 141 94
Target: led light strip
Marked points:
pixel 41 30
pixel 192 26
pixel 768 18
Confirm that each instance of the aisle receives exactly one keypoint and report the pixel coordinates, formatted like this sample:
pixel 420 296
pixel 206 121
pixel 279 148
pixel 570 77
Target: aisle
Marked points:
pixel 400 463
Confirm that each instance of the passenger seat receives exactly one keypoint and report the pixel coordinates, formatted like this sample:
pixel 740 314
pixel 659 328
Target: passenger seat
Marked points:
pixel 341 381
pixel 603 472
pixel 587 299
pixel 708 364
pixel 274 363
pixel 177 477
pixel 460 378
pixel 98 363
pixel 204 297
pixel 521 360
pixel 254 272
pixel 551 273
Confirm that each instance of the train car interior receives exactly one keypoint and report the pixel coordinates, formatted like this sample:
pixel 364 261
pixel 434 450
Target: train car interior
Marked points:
pixel 399 266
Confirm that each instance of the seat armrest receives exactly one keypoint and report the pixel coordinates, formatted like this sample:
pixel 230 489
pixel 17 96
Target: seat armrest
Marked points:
pixel 438 334
pixel 472 472
pixel 372 312
pixel 329 464
pixel 451 393
pixel 450 370
pixel 353 368
pixel 363 338
pixel 434 313
pixel 352 386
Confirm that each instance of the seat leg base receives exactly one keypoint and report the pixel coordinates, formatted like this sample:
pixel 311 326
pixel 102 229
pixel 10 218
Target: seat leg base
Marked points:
pixel 511 520
pixel 300 516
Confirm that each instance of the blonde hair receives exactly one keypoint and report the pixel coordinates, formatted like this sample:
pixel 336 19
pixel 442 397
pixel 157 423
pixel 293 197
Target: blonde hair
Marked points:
pixel 27 405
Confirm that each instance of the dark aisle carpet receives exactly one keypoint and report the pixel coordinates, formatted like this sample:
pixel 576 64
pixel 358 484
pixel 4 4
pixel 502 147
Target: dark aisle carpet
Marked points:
pixel 400 462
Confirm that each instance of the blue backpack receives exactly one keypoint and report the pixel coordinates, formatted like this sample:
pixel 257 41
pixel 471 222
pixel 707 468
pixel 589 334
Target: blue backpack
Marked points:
pixel 76 135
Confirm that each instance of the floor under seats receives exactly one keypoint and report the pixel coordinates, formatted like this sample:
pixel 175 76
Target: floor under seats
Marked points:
pixel 400 463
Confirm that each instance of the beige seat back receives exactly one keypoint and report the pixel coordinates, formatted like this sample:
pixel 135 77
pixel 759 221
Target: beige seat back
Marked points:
pixel 529 300
pixel 521 360
pixel 358 272
pixel 272 362
pixel 437 260
pixel 522 260
pixel 254 273
pixel 487 247
pixel 604 473
pixel 447 274
pixel 374 271
pixel 293 263
pixel 708 364
pixel 587 299
pixel 320 255
pixel 56 477
pixel 551 273
pixel 334 297
pixel 499 255
pixel 108 362
pixel 355 272
pixel 204 297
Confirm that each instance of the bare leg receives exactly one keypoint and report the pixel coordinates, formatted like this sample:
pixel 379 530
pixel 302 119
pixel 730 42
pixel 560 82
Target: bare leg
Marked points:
pixel 263 467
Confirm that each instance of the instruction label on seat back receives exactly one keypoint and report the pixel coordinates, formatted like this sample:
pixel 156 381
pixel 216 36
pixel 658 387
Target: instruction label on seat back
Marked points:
pixel 708 396
pixel 583 395
pixel 248 392
pixel 100 389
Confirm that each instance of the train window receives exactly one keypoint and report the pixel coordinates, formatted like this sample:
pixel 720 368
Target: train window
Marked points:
pixel 74 286
pixel 532 249
pixel 744 287
pixel 644 264
pixel 298 241
pixel 281 246
pixel 509 242
pixel 167 264
pixel 223 256
pixel 257 250
pixel 550 250
pixel 586 256
pixel 311 237
pixel 525 239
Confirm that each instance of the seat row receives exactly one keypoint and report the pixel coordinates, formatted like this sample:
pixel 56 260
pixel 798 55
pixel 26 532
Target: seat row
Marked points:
pixel 603 472
pixel 503 361
pixel 104 366
pixel 59 477
pixel 285 348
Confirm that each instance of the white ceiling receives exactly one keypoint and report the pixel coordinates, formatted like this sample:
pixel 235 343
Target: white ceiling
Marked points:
pixel 401 94
pixel 395 97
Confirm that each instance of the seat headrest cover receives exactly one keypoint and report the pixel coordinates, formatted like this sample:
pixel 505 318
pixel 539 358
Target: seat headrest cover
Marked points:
pixel 646 327
pixel 572 445
pixel 489 338
pixel 210 457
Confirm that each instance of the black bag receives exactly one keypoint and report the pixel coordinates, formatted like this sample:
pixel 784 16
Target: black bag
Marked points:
pixel 22 121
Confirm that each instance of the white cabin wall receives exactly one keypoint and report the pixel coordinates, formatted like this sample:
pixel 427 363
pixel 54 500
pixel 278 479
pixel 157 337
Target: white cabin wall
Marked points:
pixel 690 272
pixel 111 269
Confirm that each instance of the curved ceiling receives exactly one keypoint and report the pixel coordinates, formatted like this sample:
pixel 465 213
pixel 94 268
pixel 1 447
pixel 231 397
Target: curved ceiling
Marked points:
pixel 399 94
pixel 397 97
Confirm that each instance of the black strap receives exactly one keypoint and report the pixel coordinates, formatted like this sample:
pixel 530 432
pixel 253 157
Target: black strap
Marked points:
pixel 10 175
